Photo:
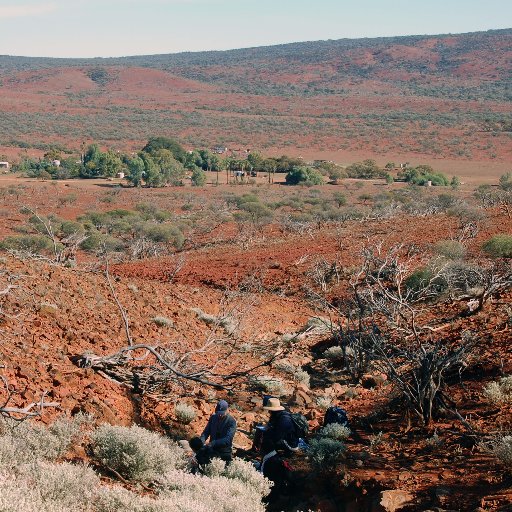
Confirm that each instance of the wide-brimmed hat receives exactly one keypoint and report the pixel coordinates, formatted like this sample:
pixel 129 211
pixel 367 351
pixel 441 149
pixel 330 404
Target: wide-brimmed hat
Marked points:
pixel 273 404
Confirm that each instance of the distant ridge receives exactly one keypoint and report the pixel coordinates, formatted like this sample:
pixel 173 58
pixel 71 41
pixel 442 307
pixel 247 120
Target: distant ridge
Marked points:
pixel 11 61
pixel 443 96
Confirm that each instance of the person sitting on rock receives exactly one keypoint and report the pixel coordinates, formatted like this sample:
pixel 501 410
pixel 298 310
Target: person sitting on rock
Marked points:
pixel 220 429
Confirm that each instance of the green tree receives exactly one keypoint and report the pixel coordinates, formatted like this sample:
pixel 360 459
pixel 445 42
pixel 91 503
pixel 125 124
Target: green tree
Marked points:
pixel 136 170
pixel 156 143
pixel 109 164
pixel 505 182
pixel 303 175
pixel 198 177
pixel 340 199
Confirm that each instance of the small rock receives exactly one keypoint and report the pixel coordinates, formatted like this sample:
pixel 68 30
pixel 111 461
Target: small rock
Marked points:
pixel 393 500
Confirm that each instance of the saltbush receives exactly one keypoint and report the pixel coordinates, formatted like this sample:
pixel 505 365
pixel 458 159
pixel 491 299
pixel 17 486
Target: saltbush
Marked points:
pixel 499 392
pixel 499 246
pixel 324 453
pixel 270 385
pixel 450 249
pixel 185 413
pixel 335 431
pixel 135 453
pixel 502 450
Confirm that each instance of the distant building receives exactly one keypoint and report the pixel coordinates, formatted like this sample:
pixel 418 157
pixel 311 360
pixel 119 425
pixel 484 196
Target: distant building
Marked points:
pixel 219 150
pixel 120 175
pixel 5 166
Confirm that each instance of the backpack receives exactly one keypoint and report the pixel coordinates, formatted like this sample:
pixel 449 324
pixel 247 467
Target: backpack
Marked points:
pixel 301 424
pixel 335 414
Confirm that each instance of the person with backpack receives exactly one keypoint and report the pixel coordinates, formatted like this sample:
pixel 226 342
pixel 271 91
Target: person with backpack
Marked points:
pixel 280 438
pixel 280 432
pixel 220 429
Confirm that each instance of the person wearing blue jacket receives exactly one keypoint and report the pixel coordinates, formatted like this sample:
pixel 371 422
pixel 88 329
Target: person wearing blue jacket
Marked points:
pixel 220 430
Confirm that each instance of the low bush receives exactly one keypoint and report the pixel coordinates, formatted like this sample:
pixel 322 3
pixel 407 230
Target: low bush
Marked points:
pixel 334 353
pixel 32 244
pixel 450 249
pixel 270 385
pixel 301 175
pixel 323 402
pixel 163 321
pixel 324 453
pixel 499 392
pixel 135 453
pixel 502 450
pixel 335 431
pixel 499 246
pixel 185 413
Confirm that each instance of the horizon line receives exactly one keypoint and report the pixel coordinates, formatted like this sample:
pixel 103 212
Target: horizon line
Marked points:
pixel 181 52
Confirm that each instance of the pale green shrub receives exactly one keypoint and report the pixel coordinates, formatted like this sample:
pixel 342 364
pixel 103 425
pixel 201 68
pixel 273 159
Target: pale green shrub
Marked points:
pixel 185 413
pixel 270 385
pixel 244 471
pixel 502 450
pixel 334 353
pixel 323 402
pixel 499 392
pixel 26 442
pixel 224 494
pixel 298 374
pixel 38 486
pixel 215 468
pixel 135 453
pixel 335 431
pixel 163 321
pixel 324 453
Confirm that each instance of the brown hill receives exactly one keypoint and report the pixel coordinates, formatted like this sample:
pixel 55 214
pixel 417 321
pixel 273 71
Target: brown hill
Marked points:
pixel 418 96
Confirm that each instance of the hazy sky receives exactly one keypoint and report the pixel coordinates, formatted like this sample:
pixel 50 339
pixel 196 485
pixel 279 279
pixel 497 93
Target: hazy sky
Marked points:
pixel 88 28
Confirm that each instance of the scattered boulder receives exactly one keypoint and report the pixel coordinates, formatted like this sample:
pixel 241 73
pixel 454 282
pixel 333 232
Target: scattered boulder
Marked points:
pixel 301 398
pixel 393 500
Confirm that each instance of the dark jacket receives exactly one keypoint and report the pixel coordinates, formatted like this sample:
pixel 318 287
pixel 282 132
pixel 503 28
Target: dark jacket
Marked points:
pixel 280 433
pixel 221 431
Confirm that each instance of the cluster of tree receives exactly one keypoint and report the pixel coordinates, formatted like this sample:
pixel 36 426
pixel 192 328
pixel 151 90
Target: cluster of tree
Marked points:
pixel 423 174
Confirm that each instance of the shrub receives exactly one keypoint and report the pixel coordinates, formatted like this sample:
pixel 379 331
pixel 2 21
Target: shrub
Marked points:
pixel 424 281
pixel 499 392
pixel 450 249
pixel 502 450
pixel 300 175
pixel 270 385
pixel 244 471
pixel 499 246
pixel 185 413
pixel 215 468
pixel 301 377
pixel 334 353
pixel 335 431
pixel 198 177
pixel 324 453
pixel 323 402
pixel 163 321
pixel 32 244
pixel 135 453
pixel 30 442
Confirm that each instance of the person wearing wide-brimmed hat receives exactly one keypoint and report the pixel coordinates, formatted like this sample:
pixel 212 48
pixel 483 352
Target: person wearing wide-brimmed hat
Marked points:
pixel 279 440
pixel 280 432
pixel 220 429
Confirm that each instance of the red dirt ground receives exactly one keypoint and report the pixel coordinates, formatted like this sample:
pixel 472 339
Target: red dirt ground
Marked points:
pixel 56 313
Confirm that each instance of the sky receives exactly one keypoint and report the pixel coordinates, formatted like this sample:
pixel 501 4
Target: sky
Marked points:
pixel 111 28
